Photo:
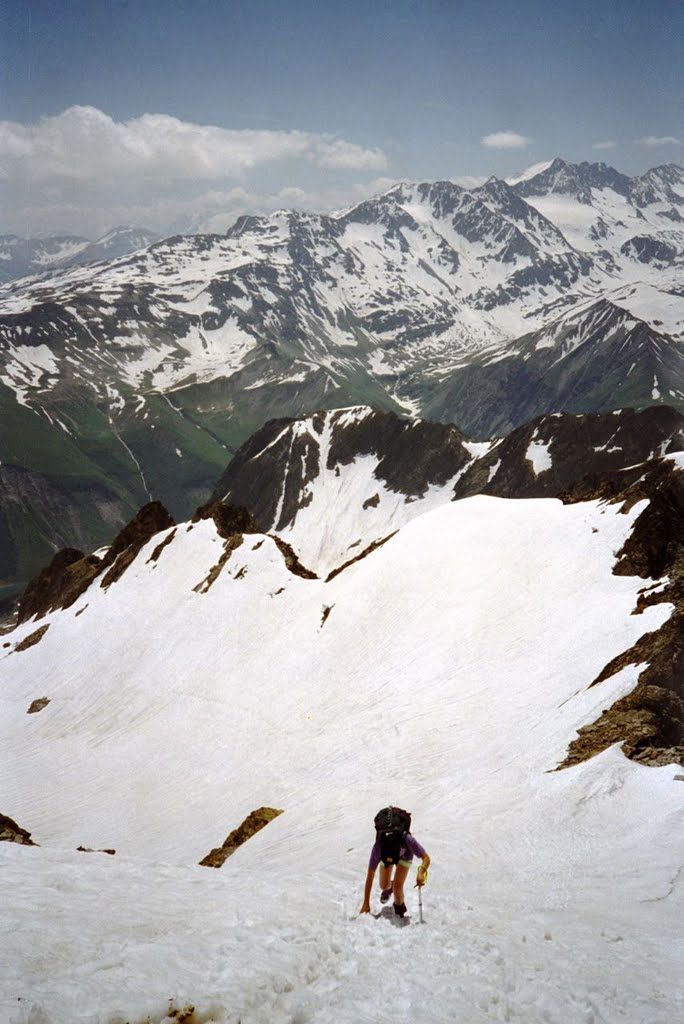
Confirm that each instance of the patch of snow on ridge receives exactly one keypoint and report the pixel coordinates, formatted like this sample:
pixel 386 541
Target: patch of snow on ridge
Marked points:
pixel 478 449
pixel 539 455
pixel 677 458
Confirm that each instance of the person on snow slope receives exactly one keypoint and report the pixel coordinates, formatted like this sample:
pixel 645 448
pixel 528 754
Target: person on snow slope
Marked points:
pixel 395 847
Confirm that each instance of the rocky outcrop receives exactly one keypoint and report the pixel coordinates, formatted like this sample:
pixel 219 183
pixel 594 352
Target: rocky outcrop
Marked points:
pixel 553 455
pixel 32 639
pixel 37 705
pixel 70 572
pixel 292 561
pixel 60 584
pixel 10 832
pixel 228 519
pixel 253 823
pixel 357 558
pixel 649 721
pixel 151 519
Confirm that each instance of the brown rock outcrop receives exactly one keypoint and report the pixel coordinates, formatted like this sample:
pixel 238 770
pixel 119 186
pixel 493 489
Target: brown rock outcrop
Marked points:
pixel 229 519
pixel 10 832
pixel 252 824
pixel 649 721
pixel 70 572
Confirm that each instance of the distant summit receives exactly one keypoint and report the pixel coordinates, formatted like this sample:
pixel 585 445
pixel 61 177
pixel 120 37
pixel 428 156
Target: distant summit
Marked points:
pixel 25 257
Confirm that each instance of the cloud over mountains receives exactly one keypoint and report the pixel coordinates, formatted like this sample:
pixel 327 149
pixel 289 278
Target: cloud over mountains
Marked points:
pixel 82 167
pixel 505 140
pixel 85 144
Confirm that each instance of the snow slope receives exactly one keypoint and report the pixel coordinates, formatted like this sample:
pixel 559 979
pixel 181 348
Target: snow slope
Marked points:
pixel 449 675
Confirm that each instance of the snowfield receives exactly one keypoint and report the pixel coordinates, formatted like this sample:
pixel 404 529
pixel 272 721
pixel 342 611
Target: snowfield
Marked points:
pixel 446 672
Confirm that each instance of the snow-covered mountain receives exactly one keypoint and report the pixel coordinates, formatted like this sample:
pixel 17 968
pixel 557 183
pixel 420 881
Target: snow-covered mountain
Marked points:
pixel 197 673
pixel 140 376
pixel 23 257
pixel 625 221
pixel 336 483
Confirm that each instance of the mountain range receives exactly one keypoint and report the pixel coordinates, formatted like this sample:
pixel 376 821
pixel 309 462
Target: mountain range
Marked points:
pixel 25 257
pixel 140 377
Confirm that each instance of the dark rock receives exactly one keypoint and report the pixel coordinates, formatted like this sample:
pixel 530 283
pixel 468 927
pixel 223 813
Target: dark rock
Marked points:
pixel 362 554
pixel 649 721
pixel 587 455
pixel 230 545
pixel 59 584
pixel 151 519
pixel 229 519
pixel 32 639
pixel 284 457
pixel 292 561
pixel 38 705
pixel 70 572
pixel 10 832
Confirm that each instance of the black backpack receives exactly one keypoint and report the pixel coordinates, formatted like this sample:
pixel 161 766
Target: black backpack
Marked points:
pixel 391 825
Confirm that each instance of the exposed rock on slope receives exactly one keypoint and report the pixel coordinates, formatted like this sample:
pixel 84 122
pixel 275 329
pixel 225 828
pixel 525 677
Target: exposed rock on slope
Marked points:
pixel 333 483
pixel 552 454
pixel 71 572
pixel 353 476
pixel 649 721
pixel 229 519
pixel 10 832
pixel 253 823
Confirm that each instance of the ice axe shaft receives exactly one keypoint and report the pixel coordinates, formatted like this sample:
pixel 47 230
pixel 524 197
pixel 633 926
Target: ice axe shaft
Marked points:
pixel 420 904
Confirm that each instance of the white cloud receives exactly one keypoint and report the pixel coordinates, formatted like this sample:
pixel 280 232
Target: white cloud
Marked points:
pixel 85 145
pixel 505 140
pixel 348 156
pixel 659 140
pixel 608 144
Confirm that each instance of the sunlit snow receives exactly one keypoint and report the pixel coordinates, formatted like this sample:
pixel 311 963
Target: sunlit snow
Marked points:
pixel 451 671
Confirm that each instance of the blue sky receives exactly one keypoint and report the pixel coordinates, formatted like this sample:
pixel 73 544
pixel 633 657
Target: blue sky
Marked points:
pixel 265 104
